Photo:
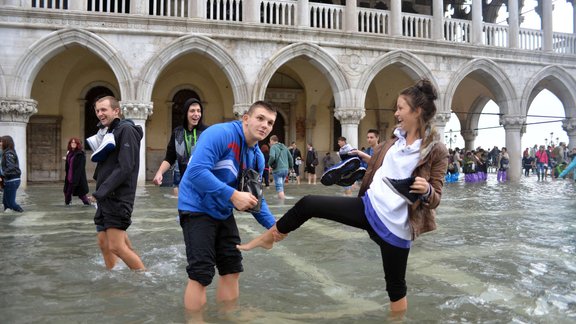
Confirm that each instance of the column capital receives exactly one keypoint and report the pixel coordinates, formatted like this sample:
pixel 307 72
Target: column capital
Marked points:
pixel 569 125
pixel 349 115
pixel 17 110
pixel 136 109
pixel 469 134
pixel 240 110
pixel 512 122
pixel 441 119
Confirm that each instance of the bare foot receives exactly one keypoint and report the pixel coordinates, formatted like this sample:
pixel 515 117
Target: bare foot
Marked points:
pixel 265 240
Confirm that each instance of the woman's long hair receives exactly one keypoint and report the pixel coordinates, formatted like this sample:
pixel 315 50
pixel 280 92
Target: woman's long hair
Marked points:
pixel 7 142
pixel 78 144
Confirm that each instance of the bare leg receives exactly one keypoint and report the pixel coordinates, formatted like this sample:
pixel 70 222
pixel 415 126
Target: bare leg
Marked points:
pixel 194 296
pixel 109 257
pixel 118 246
pixel 281 195
pixel 398 308
pixel 228 288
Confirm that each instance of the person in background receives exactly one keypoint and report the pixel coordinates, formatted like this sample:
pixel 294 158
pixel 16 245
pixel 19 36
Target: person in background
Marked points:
pixel 327 161
pixel 541 163
pixel 297 155
pixel 400 192
pixel 312 162
pixel 266 175
pixel 280 162
pixel 116 179
pixel 10 174
pixel 503 165
pixel 75 183
pixel 182 142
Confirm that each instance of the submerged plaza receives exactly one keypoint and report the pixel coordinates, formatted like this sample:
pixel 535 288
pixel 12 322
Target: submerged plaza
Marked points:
pixel 503 252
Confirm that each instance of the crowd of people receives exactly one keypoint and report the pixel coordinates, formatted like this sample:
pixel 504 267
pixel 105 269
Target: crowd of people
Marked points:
pixel 553 161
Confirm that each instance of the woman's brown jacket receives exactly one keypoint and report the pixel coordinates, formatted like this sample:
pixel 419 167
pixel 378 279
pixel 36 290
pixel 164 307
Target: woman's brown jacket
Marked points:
pixel 432 167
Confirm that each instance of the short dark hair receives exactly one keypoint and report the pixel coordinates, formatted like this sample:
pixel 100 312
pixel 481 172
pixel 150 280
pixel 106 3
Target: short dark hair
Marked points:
pixel 373 131
pixel 342 138
pixel 261 103
pixel 114 104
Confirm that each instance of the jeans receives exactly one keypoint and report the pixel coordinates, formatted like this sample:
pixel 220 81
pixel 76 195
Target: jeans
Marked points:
pixel 9 197
pixel 279 178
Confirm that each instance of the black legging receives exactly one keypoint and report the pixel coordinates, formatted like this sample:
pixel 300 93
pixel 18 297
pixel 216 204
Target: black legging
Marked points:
pixel 350 211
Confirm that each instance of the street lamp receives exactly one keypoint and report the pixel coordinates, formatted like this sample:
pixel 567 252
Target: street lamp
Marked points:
pixel 545 142
pixel 551 138
pixel 450 139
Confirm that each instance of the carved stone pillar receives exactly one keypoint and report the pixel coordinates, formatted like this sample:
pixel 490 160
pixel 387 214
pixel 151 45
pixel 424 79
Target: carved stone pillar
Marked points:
pixel 477 22
pixel 438 20
pixel 349 119
pixel 514 24
pixel 14 116
pixel 351 20
pixel 469 136
pixel 569 125
pixel 440 121
pixel 138 112
pixel 240 110
pixel 303 18
pixel 547 32
pixel 513 126
pixel 396 17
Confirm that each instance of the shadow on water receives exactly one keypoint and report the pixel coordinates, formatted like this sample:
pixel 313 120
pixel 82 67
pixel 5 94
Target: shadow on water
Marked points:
pixel 503 252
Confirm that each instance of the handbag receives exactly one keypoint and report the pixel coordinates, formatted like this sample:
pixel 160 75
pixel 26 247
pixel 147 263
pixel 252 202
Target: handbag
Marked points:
pixel 250 181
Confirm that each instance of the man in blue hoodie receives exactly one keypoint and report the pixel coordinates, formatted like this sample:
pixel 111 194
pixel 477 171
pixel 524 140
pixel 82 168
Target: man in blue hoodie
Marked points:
pixel 208 196
pixel 116 179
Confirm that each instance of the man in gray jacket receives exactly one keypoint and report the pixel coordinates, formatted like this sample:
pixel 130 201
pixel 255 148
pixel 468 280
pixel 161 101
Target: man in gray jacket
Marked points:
pixel 280 162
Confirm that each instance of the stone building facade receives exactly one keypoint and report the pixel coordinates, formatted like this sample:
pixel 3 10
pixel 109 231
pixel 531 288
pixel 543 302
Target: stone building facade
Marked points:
pixel 331 69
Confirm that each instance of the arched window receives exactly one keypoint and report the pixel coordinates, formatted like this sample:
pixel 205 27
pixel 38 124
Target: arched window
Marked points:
pixel 90 119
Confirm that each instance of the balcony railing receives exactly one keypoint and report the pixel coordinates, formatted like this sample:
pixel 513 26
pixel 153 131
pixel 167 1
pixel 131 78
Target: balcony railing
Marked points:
pixel 321 16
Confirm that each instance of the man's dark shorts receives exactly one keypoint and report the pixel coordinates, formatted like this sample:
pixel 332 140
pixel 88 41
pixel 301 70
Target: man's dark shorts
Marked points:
pixel 210 242
pixel 113 213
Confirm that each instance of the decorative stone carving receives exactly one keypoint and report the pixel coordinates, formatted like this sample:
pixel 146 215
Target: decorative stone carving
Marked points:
pixel 512 122
pixel 17 110
pixel 469 134
pixel 349 115
pixel 441 119
pixel 240 109
pixel 569 125
pixel 136 110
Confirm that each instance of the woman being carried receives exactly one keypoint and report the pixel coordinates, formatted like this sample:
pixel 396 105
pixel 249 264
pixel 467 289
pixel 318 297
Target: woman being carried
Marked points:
pixel 399 194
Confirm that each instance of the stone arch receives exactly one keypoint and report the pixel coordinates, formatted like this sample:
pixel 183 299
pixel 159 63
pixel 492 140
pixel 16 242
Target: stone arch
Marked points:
pixel 414 67
pixel 194 44
pixel 473 118
pixel 317 57
pixel 558 81
pixel 497 81
pixel 45 48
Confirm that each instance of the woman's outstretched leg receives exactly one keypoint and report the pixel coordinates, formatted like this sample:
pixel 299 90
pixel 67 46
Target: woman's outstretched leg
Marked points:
pixel 344 210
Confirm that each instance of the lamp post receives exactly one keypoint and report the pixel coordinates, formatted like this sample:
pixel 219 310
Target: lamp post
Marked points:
pixel 450 139
pixel 551 138
pixel 545 142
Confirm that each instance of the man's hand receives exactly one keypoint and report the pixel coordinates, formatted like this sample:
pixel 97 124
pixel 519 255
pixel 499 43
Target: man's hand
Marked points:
pixel 158 179
pixel 243 200
pixel 92 199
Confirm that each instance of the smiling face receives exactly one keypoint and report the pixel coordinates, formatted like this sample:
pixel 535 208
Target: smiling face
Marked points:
pixel 193 115
pixel 258 124
pixel 408 119
pixel 105 113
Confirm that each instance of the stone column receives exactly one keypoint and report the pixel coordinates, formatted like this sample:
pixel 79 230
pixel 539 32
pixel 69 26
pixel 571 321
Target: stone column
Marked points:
pixel 349 119
pixel 78 5
pixel 310 123
pixel 569 125
pixel 440 121
pixel 14 116
pixel 251 11
pixel 138 112
pixel 303 18
pixel 396 17
pixel 513 126
pixel 513 24
pixel 137 7
pixel 477 22
pixel 240 109
pixel 546 25
pixel 351 20
pixel 469 136
pixel 438 20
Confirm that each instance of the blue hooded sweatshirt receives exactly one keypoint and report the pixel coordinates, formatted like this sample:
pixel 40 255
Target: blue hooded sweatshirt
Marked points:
pixel 212 173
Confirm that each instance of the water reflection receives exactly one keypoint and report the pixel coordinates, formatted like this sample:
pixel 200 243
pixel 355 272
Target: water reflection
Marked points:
pixel 503 252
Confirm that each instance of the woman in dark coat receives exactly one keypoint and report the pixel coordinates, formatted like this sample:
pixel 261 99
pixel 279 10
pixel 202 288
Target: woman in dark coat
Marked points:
pixel 75 183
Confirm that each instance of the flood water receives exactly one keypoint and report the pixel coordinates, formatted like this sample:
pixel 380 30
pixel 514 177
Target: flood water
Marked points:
pixel 503 253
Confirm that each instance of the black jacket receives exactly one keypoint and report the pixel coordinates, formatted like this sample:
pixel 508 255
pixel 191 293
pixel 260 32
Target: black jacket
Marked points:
pixel 10 167
pixel 117 176
pixel 79 182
